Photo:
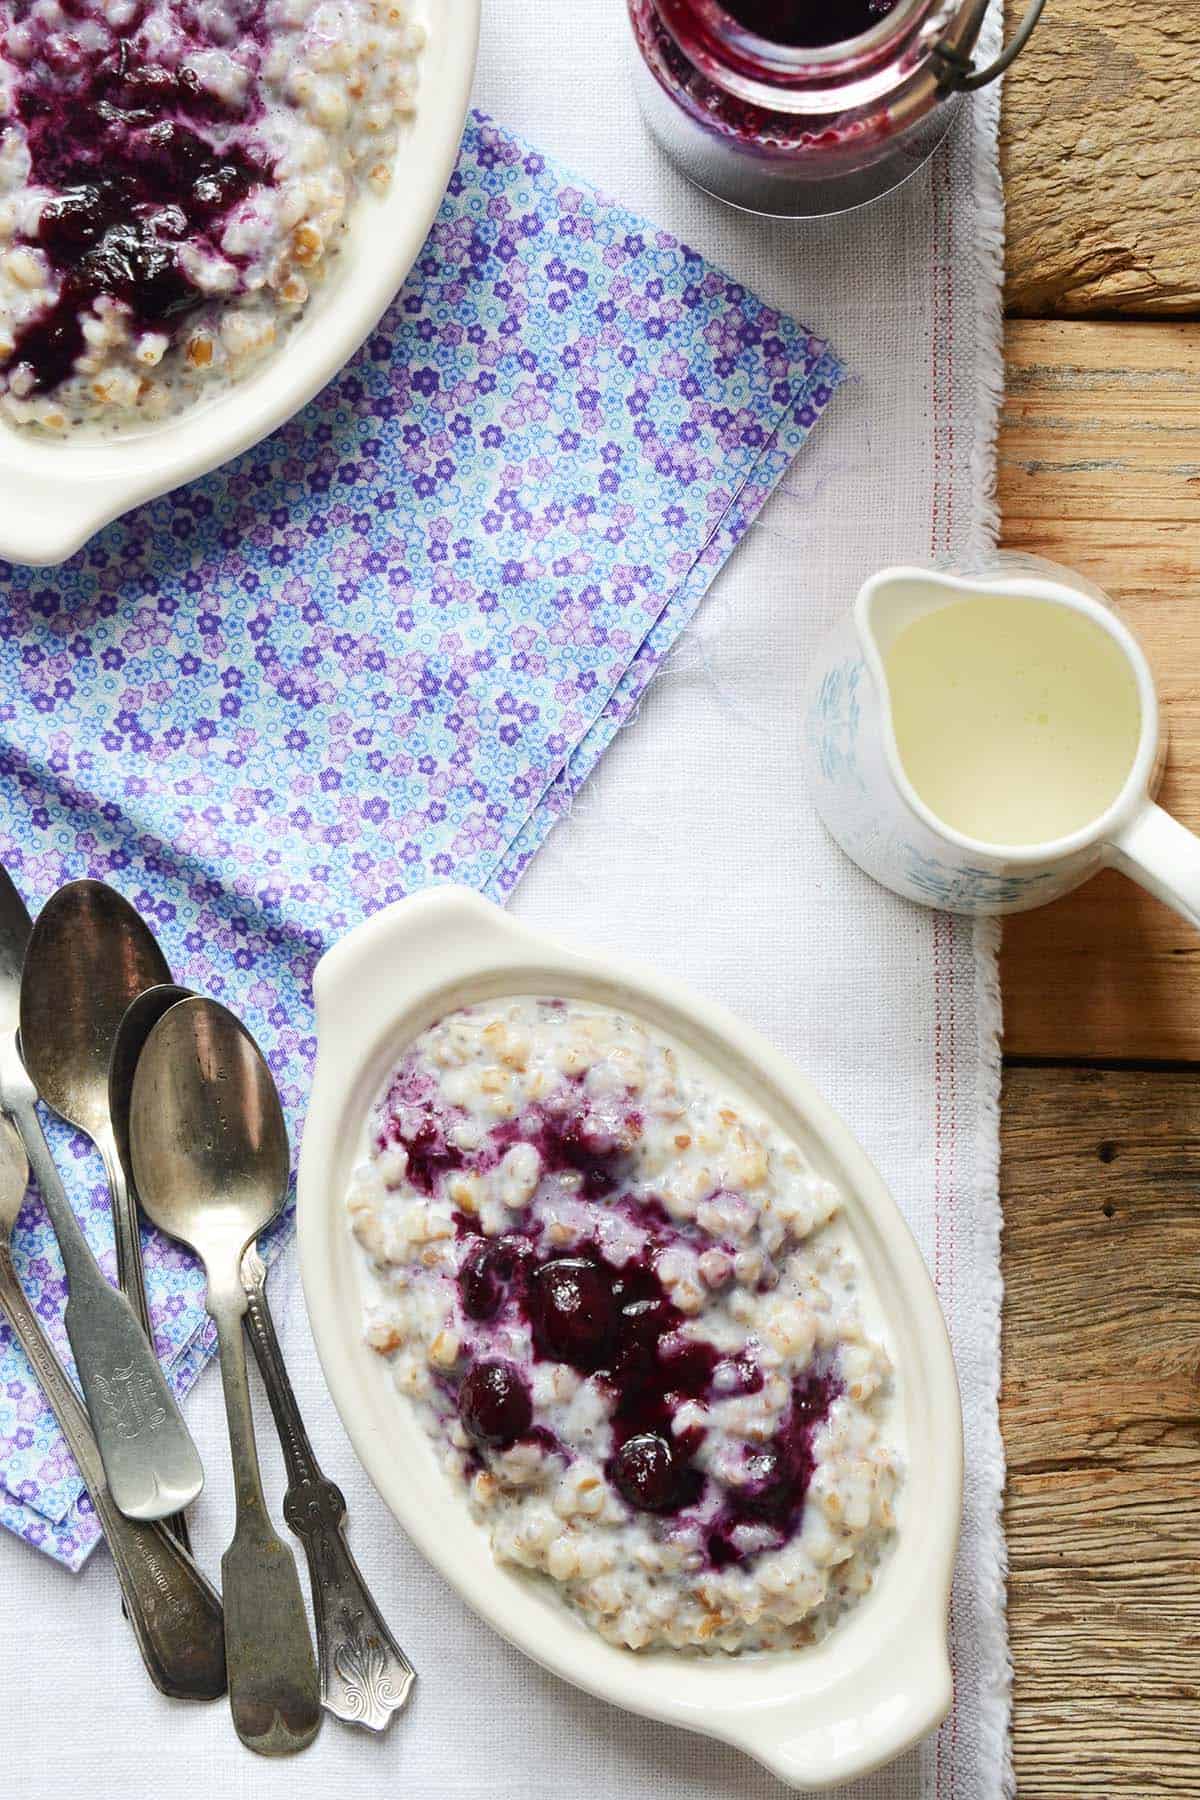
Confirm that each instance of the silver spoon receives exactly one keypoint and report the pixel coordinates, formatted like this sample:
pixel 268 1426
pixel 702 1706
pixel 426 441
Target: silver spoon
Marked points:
pixel 137 1022
pixel 150 1462
pixel 89 955
pixel 365 1676
pixel 176 1616
pixel 210 1157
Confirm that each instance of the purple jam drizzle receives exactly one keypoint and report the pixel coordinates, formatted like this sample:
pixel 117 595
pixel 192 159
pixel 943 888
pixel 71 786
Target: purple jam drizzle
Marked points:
pixel 779 1473
pixel 808 24
pixel 567 1143
pixel 128 146
pixel 749 1377
pixel 429 1156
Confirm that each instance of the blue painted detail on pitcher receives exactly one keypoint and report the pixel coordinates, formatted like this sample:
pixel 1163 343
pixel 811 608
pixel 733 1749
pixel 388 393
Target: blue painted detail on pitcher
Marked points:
pixel 962 885
pixel 839 711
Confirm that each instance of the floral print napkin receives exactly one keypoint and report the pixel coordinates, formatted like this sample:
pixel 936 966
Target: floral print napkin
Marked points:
pixel 381 649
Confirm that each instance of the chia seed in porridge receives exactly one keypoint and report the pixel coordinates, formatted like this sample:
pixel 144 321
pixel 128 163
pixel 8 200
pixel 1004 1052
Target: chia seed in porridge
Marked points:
pixel 633 1322
pixel 175 176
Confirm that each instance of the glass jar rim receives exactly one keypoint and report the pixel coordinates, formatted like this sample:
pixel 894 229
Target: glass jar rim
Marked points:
pixel 798 58
pixel 860 71
pixel 891 58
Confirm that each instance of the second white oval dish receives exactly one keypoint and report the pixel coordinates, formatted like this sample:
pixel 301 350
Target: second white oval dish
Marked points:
pixel 816 1716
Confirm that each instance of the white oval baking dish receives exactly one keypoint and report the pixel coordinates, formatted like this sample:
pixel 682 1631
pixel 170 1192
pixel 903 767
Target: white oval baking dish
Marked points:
pixel 816 1717
pixel 56 492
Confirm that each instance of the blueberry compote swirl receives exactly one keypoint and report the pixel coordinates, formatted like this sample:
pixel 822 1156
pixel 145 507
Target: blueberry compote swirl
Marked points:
pixel 175 175
pixel 138 157
pixel 627 1311
pixel 617 1325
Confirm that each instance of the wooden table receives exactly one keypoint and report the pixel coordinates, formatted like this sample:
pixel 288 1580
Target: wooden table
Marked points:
pixel 1100 468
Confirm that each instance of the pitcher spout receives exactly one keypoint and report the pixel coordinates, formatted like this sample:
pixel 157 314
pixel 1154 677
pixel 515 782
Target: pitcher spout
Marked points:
pixel 893 600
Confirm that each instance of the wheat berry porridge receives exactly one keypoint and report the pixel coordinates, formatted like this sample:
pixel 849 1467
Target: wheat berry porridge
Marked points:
pixel 632 1319
pixel 175 177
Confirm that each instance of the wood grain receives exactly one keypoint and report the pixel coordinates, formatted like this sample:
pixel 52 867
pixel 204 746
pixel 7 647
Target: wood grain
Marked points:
pixel 1101 156
pixel 1101 1418
pixel 1099 468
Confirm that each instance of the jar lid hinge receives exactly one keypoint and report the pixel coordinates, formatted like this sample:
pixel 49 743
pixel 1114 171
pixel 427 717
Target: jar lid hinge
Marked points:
pixel 959 71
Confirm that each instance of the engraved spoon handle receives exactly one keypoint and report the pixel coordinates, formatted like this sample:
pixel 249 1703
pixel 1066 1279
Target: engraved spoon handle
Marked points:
pixel 151 1464
pixel 175 1615
pixel 274 1693
pixel 365 1676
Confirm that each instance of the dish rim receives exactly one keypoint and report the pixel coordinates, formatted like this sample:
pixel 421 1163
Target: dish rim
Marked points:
pixel 57 492
pixel 816 1717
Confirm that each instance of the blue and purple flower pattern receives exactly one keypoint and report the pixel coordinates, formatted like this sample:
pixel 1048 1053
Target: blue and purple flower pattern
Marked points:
pixel 383 648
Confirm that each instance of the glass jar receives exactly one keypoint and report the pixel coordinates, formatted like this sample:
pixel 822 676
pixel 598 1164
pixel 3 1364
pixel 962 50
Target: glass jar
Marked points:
pixel 796 131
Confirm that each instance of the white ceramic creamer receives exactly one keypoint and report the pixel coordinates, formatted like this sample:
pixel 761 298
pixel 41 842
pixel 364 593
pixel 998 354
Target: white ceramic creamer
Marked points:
pixel 985 743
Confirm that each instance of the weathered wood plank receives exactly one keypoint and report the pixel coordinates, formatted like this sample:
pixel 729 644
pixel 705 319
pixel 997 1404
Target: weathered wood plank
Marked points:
pixel 1099 468
pixel 1101 155
pixel 1101 1417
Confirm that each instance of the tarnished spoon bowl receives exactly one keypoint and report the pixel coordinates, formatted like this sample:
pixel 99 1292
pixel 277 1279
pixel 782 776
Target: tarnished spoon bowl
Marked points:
pixel 207 1134
pixel 90 953
pixel 138 1021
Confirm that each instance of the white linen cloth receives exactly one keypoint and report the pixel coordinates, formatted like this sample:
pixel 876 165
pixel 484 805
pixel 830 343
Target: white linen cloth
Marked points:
pixel 693 848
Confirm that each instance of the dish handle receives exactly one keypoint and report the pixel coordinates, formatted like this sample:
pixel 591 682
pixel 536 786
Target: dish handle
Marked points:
pixel 879 1713
pixel 44 520
pixel 439 928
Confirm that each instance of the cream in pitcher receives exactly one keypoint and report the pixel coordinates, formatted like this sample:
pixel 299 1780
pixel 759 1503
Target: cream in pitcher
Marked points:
pixel 1016 722
pixel 985 744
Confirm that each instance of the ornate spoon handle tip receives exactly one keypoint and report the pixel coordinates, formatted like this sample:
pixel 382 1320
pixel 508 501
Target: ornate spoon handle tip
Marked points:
pixel 365 1676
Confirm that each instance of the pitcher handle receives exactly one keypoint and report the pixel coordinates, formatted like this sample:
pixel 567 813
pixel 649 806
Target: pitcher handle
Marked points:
pixel 1164 856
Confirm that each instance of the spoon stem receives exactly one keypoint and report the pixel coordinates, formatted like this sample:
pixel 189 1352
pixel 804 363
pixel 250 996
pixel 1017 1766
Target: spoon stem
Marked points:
pixel 274 1693
pixel 131 1275
pixel 150 1461
pixel 175 1615
pixel 227 1312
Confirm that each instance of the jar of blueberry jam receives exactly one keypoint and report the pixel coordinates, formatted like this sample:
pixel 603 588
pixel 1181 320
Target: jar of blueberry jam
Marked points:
pixel 797 108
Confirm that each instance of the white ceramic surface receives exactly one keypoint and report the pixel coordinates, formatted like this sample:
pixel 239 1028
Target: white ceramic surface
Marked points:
pixel 816 1717
pixel 55 493
pixel 859 787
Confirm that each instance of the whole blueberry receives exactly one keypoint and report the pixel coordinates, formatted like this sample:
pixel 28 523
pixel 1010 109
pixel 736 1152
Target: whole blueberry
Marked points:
pixel 488 1270
pixel 494 1404
pixel 646 1473
pixel 571 1311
